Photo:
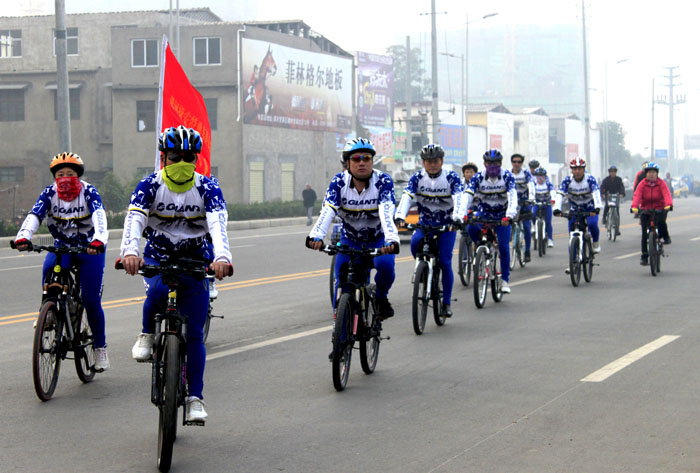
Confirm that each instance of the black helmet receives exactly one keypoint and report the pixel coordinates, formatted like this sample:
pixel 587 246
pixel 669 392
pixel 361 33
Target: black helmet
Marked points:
pixel 432 151
pixel 540 172
pixel 612 168
pixel 534 164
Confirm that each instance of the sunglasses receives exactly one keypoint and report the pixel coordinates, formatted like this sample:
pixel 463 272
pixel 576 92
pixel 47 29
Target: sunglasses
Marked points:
pixel 364 159
pixel 187 157
pixel 517 162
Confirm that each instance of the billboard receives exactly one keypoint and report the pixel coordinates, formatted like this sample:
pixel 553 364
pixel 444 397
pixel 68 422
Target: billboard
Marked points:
pixel 382 139
pixel 293 88
pixel 452 141
pixel 375 89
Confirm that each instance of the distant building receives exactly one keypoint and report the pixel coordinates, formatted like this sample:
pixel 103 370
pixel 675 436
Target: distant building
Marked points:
pixel 531 133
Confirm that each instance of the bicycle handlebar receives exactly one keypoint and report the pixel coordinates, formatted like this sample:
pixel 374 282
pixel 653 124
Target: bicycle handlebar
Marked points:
pixel 52 249
pixel 183 266
pixel 346 250
pixel 432 228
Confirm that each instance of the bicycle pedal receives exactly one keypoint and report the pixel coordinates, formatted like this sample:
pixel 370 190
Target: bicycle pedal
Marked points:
pixel 197 423
pixel 385 338
pixel 217 316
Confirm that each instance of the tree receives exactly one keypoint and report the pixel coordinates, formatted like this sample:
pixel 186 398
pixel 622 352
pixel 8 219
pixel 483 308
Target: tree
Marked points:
pixel 114 196
pixel 419 88
pixel 617 153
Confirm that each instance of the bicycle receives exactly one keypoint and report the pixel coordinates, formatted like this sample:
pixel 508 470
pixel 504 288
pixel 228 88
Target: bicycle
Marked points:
pixel 355 315
pixel 613 222
pixel 581 254
pixel 427 286
pixel 655 244
pixel 540 234
pixel 62 326
pixel 335 238
pixel 517 241
pixel 213 294
pixel 466 258
pixel 169 370
pixel 487 264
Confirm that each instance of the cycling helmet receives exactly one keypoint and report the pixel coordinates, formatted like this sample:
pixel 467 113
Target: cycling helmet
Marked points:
pixel 493 155
pixel 534 164
pixel 432 151
pixel 358 145
pixel 645 164
pixel 70 160
pixel 540 172
pixel 470 165
pixel 651 166
pixel 612 168
pixel 180 139
pixel 577 162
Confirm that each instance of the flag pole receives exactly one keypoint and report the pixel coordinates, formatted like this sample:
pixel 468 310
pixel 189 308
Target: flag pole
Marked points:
pixel 159 120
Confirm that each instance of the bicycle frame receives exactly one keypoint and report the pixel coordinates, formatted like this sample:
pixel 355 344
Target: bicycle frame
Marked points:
pixel 429 251
pixel 580 229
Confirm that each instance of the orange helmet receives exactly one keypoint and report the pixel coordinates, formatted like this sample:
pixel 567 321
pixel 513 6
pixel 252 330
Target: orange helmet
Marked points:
pixel 70 160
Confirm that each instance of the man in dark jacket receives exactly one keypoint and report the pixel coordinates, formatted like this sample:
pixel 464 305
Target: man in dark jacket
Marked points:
pixel 309 197
pixel 611 185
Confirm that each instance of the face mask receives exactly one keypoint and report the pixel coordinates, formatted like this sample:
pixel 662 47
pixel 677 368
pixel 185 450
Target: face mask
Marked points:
pixel 179 177
pixel 493 170
pixel 68 187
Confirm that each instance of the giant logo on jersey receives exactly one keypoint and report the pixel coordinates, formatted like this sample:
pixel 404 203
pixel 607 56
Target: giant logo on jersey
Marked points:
pixel 172 207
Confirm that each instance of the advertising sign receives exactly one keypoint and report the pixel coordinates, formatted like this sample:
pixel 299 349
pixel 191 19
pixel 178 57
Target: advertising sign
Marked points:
pixel 375 88
pixel 452 141
pixel 293 88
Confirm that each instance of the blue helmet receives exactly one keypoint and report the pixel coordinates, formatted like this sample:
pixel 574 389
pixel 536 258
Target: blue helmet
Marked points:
pixel 612 168
pixel 493 155
pixel 651 166
pixel 540 172
pixel 180 139
pixel 358 145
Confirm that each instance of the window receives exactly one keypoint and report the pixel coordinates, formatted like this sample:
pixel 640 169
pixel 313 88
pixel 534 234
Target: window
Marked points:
pixel 144 52
pixel 256 182
pixel 74 101
pixel 11 174
pixel 145 115
pixel 212 110
pixel 12 105
pixel 287 181
pixel 71 41
pixel 10 43
pixel 207 51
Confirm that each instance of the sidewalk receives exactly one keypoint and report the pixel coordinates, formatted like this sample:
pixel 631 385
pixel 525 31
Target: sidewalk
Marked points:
pixel 116 233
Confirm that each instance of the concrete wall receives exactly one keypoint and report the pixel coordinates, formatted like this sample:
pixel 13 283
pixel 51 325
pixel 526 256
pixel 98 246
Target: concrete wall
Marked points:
pixel 500 125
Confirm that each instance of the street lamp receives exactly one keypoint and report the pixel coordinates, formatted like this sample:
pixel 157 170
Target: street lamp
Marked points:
pixel 465 102
pixel 464 129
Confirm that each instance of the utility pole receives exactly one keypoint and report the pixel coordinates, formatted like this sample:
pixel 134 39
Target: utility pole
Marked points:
pixel 62 97
pixel 653 101
pixel 434 84
pixel 586 117
pixel 671 102
pixel 409 99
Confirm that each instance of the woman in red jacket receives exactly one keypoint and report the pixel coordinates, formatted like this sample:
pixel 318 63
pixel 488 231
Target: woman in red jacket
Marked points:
pixel 652 193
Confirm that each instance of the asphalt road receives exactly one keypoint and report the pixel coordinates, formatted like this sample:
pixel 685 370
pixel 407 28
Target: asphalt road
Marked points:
pixel 513 387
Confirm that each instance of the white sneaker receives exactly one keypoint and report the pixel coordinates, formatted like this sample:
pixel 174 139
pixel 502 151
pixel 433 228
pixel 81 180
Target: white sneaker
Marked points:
pixel 596 247
pixel 143 348
pixel 195 410
pixel 505 289
pixel 101 359
pixel 550 243
pixel 213 291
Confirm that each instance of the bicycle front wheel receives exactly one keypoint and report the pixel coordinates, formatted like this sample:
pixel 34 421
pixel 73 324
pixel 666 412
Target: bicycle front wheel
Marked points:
pixel 167 419
pixel 466 255
pixel 587 260
pixel 496 293
pixel 574 263
pixel 615 219
pixel 342 342
pixel 541 238
pixel 46 357
pixel 481 277
pixel 331 280
pixel 514 247
pixel 369 342
pixel 207 323
pixel 436 295
pixel 83 348
pixel 652 244
pixel 420 297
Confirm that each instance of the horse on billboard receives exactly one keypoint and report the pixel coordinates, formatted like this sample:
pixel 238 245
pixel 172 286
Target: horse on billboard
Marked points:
pixel 259 100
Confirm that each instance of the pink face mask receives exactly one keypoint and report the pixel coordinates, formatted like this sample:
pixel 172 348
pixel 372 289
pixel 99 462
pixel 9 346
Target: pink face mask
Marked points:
pixel 68 187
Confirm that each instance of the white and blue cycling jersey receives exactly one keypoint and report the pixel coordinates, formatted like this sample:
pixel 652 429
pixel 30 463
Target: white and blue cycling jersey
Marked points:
pixel 367 216
pixel 190 223
pixel 438 199
pixel 544 189
pixel 497 196
pixel 74 223
pixel 524 184
pixel 584 196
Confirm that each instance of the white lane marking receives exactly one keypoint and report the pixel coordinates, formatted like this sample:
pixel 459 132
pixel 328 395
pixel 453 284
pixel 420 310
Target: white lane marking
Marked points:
pixel 610 369
pixel 636 253
pixel 267 343
pixel 10 257
pixel 695 239
pixel 525 281
pixel 267 235
pixel 241 246
pixel 22 267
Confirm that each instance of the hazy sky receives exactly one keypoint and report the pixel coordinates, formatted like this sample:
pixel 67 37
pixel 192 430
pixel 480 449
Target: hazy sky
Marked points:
pixel 648 34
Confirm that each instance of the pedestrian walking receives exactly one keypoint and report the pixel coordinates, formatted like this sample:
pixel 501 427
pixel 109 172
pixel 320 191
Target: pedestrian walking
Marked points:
pixel 309 196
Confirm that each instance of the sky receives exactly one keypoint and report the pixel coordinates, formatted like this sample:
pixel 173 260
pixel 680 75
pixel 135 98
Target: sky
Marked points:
pixel 645 36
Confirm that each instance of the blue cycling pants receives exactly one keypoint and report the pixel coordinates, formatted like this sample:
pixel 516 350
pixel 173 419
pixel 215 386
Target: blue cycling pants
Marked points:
pixel 384 264
pixel 193 301
pixel 592 226
pixel 503 235
pixel 527 228
pixel 547 219
pixel 92 270
pixel 446 243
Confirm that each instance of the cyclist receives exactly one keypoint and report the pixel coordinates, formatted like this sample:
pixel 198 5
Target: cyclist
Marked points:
pixel 652 193
pixel 181 213
pixel 534 164
pixel 584 196
pixel 364 200
pixel 526 191
pixel 468 171
pixel 438 194
pixel 75 217
pixel 498 199
pixel 640 174
pixel 544 193
pixel 611 185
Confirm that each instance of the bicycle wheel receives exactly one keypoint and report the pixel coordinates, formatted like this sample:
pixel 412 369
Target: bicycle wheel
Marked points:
pixel 436 295
pixel 369 342
pixel 420 297
pixel 46 357
pixel 466 255
pixel 574 263
pixel 615 220
pixel 83 348
pixel 496 293
pixel 167 418
pixel 541 240
pixel 481 278
pixel 331 282
pixel 207 323
pixel 514 246
pixel 587 260
pixel 342 342
pixel 652 245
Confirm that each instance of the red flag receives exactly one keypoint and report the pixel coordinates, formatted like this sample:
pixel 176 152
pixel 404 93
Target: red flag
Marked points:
pixel 181 104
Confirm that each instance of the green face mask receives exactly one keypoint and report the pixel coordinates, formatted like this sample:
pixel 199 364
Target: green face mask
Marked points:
pixel 179 177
